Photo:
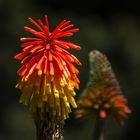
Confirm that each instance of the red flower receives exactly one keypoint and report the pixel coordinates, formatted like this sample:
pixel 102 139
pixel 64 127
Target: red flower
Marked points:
pixel 48 77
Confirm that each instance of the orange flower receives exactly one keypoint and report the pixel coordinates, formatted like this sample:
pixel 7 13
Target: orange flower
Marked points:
pixel 103 96
pixel 104 102
pixel 47 76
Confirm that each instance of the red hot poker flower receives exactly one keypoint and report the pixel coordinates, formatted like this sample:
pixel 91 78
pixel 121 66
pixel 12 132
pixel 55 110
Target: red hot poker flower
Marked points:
pixel 47 75
pixel 103 96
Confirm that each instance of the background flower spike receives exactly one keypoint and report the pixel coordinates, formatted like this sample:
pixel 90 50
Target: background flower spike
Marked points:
pixel 102 97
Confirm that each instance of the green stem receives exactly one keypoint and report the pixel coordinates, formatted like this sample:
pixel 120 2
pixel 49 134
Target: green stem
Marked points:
pixel 99 129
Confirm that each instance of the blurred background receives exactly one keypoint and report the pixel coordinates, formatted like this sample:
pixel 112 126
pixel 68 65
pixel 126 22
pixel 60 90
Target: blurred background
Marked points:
pixel 113 27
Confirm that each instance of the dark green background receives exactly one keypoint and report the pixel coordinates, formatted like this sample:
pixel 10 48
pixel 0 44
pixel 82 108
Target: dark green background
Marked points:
pixel 113 27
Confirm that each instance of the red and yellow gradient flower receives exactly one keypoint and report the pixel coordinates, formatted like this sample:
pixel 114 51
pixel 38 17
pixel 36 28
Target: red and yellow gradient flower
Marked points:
pixel 48 76
pixel 102 96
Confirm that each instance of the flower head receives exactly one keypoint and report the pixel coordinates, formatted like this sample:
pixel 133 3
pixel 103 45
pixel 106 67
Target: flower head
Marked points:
pixel 103 102
pixel 103 96
pixel 48 76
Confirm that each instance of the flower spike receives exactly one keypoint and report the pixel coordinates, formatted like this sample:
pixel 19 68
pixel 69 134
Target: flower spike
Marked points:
pixel 48 76
pixel 102 96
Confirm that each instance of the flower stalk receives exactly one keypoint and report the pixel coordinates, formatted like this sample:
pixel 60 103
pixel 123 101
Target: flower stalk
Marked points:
pixel 99 129
pixel 48 129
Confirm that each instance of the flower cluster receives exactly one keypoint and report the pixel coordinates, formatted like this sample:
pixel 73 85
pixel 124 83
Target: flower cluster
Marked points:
pixel 48 76
pixel 103 102
pixel 103 96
